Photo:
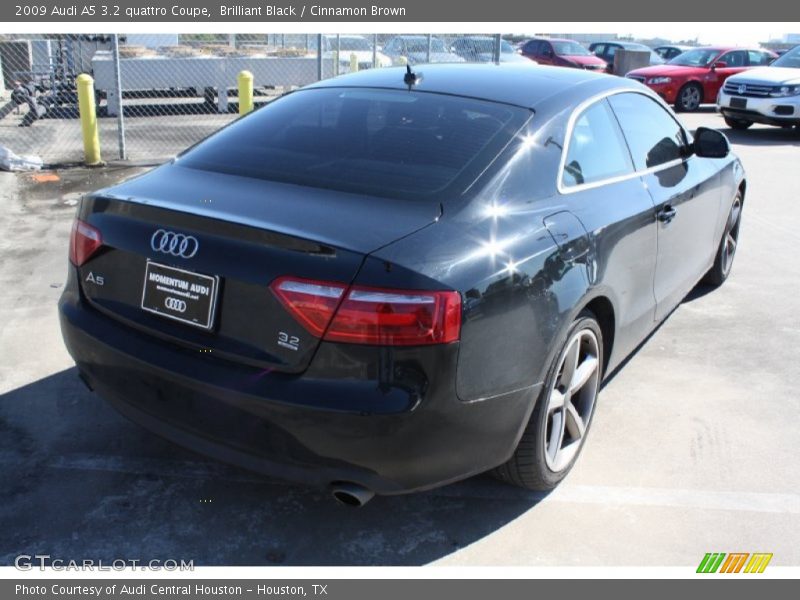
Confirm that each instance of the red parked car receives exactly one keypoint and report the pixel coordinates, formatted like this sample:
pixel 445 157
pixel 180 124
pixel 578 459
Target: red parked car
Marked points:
pixel 561 53
pixel 695 76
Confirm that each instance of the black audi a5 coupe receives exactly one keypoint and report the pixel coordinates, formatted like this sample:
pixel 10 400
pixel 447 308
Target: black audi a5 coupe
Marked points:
pixel 392 280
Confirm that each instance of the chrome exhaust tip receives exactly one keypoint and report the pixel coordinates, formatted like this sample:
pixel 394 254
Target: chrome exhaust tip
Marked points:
pixel 351 494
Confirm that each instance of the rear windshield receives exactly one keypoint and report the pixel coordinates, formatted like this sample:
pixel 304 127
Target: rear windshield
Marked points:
pixel 791 59
pixel 391 143
pixel 570 49
pixel 486 46
pixel 701 57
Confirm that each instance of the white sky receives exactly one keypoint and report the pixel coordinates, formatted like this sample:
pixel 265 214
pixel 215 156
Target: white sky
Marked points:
pixel 708 33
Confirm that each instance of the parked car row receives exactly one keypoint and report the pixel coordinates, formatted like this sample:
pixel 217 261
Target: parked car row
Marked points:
pixel 696 76
pixel 746 82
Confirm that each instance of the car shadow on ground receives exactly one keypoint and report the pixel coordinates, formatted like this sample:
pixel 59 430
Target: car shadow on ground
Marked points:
pixel 83 482
pixel 697 292
pixel 764 136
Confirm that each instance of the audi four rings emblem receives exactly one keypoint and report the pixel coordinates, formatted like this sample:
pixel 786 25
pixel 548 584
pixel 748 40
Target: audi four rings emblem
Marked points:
pixel 175 304
pixel 176 244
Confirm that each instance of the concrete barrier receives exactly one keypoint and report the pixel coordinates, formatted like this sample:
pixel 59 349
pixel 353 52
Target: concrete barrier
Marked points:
pixel 626 61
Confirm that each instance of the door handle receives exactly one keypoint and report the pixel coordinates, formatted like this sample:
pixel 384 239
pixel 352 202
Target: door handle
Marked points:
pixel 666 214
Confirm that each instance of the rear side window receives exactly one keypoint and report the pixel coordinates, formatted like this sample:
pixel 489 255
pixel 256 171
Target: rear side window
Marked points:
pixel 737 58
pixel 391 143
pixel 757 58
pixel 533 47
pixel 596 149
pixel 653 135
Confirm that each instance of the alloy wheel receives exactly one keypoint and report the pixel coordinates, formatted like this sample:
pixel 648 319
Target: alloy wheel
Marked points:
pixel 731 237
pixel 571 400
pixel 690 98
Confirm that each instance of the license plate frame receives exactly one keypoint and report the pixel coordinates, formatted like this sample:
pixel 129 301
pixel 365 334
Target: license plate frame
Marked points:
pixel 168 297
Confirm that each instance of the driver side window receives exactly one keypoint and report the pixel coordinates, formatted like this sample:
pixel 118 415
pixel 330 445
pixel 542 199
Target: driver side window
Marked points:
pixel 653 135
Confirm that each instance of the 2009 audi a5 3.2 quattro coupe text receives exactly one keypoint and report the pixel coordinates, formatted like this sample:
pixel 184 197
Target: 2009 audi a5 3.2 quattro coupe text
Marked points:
pixel 390 280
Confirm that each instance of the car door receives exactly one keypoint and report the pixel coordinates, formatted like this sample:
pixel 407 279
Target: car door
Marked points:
pixel 546 55
pixel 685 191
pixel 599 186
pixel 598 50
pixel 734 62
pixel 611 51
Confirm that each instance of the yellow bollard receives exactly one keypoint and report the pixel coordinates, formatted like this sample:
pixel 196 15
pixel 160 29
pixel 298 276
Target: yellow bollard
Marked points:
pixel 88 113
pixel 245 92
pixel 353 63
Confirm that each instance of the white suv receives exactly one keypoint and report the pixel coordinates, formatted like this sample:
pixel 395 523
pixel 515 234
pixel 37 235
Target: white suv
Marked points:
pixel 769 95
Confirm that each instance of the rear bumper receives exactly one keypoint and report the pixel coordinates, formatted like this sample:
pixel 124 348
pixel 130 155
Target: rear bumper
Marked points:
pixel 312 429
pixel 769 111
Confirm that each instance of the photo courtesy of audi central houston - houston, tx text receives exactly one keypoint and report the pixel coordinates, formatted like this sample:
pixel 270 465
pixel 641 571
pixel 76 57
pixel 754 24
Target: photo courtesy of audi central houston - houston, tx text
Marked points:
pixel 280 291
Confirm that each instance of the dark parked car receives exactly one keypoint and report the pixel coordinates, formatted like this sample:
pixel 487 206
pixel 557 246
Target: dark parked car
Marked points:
pixel 561 53
pixel 607 50
pixel 669 52
pixel 383 283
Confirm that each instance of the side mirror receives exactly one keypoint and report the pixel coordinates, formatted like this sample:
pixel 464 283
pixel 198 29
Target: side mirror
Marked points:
pixel 710 143
pixel 720 64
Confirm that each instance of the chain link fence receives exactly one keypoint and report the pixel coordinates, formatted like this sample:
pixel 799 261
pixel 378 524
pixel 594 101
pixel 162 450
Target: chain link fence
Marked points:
pixel 158 94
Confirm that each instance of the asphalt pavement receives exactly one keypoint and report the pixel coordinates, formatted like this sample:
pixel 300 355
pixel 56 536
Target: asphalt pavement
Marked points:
pixel 693 449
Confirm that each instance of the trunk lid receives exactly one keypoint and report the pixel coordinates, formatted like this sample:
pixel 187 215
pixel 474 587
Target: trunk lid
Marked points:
pixel 242 234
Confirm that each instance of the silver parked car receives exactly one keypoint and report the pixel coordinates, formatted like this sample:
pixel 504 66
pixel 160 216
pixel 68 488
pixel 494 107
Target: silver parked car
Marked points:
pixel 414 48
pixel 477 48
pixel 769 95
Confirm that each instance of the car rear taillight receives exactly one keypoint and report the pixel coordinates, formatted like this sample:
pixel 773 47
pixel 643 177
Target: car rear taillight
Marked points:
pixel 366 315
pixel 84 241
pixel 312 303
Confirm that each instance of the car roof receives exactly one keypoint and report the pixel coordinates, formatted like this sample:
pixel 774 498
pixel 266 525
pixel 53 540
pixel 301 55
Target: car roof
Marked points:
pixel 729 48
pixel 622 43
pixel 720 48
pixel 545 39
pixel 413 37
pixel 525 85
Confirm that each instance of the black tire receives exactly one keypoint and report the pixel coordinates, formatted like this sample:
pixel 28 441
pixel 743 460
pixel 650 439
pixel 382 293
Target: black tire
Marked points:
pixel 723 261
pixel 528 467
pixel 689 98
pixel 739 124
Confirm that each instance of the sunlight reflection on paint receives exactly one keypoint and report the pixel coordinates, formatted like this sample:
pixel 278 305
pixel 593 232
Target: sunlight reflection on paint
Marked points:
pixel 496 211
